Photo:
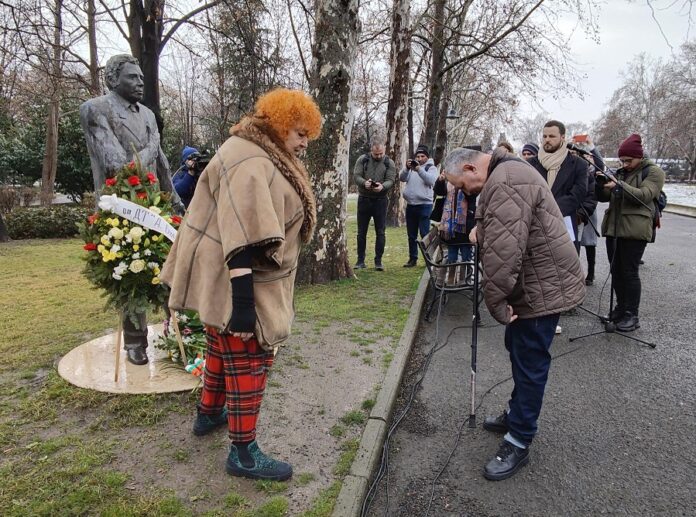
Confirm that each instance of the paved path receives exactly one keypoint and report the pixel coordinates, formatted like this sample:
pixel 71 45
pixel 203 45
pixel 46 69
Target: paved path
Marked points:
pixel 617 433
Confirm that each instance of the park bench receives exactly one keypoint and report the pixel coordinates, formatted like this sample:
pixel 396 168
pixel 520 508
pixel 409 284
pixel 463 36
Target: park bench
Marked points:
pixel 448 278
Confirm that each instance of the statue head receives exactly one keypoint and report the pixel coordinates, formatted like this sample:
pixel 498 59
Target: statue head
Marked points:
pixel 124 76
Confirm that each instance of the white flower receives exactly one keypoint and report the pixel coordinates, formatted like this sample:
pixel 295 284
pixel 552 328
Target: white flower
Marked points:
pixel 135 256
pixel 155 210
pixel 116 276
pixel 152 265
pixel 115 248
pixel 136 233
pixel 147 253
pixel 116 233
pixel 137 266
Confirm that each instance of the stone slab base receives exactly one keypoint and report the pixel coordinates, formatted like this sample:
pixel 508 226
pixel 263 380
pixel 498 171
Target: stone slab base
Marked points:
pixel 91 366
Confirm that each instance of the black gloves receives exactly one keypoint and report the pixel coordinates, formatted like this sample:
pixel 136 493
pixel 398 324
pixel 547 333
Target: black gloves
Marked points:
pixel 243 308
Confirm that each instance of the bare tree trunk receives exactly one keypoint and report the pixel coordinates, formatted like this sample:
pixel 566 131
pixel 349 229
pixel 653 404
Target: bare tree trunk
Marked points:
pixel 441 135
pixel 409 119
pixel 399 78
pixel 50 161
pixel 432 114
pixel 4 237
pixel 438 152
pixel 94 88
pixel 337 27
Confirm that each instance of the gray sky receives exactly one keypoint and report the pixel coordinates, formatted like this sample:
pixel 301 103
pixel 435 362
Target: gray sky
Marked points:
pixel 626 29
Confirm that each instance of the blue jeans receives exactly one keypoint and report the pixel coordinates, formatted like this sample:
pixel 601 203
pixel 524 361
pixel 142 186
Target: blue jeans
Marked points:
pixel 454 251
pixel 528 342
pixel 372 208
pixel 417 219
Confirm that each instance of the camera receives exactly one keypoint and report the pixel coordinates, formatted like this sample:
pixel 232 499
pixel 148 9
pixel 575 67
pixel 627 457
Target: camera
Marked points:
pixel 412 164
pixel 200 160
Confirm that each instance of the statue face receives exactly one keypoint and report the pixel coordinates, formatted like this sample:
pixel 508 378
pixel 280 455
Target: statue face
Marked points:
pixel 130 83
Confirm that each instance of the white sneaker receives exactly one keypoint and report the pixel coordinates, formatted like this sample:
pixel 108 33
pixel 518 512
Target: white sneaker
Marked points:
pixel 559 329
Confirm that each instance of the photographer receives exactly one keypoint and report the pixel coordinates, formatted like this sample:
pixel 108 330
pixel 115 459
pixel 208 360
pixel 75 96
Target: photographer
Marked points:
pixel 186 178
pixel 419 175
pixel 374 174
pixel 628 225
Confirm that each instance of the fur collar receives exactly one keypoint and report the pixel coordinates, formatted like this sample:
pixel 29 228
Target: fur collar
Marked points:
pixel 250 128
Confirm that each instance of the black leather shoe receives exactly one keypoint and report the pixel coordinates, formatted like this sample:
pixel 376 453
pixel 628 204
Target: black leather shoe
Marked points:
pixel 359 265
pixel 410 263
pixel 137 356
pixel 508 460
pixel 496 424
pixel 628 323
pixel 379 266
pixel 616 315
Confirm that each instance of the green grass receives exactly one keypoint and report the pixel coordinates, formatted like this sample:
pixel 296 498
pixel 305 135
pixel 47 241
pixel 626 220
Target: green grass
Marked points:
pixel 355 417
pixel 60 443
pixel 270 487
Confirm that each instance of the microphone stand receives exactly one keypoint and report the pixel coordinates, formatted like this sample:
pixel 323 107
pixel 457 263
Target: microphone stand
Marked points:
pixel 610 326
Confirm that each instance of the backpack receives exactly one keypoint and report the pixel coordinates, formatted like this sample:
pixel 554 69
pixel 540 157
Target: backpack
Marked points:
pixel 661 199
pixel 660 204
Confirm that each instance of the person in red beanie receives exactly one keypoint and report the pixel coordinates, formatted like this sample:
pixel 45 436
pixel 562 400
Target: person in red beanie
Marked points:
pixel 628 226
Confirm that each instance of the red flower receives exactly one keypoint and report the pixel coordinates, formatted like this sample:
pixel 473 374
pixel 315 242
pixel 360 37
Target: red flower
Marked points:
pixel 141 195
pixel 92 218
pixel 110 182
pixel 152 178
pixel 131 165
pixel 176 219
pixel 133 181
pixel 90 246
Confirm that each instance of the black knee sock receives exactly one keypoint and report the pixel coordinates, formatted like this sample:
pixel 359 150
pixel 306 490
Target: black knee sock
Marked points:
pixel 244 457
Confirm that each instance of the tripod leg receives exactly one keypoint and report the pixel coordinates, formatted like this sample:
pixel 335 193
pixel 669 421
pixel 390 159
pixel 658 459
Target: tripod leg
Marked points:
pixel 586 335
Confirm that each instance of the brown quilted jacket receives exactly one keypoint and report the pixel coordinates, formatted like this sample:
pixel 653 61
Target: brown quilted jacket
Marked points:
pixel 529 261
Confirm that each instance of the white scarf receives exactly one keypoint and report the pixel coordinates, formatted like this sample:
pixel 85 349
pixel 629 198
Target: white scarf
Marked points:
pixel 552 162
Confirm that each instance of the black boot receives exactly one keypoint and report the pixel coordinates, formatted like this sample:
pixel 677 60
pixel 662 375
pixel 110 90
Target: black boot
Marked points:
pixel 628 323
pixel 590 252
pixel 507 461
pixel 496 424
pixel 137 356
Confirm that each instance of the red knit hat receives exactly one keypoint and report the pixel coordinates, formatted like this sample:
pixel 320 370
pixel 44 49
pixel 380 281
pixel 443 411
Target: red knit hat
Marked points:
pixel 632 146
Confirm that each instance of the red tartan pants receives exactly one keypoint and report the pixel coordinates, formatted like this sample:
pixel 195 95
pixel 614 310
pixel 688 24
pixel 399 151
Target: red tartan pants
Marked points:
pixel 235 373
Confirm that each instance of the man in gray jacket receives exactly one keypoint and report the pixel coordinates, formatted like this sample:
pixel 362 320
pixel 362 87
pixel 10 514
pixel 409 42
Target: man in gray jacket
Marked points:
pixel 419 175
pixel 531 273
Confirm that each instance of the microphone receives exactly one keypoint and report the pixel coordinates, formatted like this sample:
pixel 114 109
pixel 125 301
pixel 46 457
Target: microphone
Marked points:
pixel 577 149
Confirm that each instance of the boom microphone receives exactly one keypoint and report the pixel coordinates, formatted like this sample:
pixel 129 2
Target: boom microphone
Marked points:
pixel 577 149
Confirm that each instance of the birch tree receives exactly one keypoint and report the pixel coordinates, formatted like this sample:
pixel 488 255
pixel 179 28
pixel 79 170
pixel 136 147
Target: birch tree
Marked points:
pixel 336 34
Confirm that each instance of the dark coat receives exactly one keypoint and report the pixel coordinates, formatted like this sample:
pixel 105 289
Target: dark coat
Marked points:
pixel 635 221
pixel 570 187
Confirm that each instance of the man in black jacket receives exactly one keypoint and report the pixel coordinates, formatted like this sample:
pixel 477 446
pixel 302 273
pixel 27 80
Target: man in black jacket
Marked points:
pixel 566 174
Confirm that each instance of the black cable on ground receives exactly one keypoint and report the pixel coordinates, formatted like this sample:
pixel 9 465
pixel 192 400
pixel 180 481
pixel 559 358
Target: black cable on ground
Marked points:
pixel 384 465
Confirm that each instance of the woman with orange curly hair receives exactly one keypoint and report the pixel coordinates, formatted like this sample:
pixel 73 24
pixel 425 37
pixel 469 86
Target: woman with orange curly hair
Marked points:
pixel 234 261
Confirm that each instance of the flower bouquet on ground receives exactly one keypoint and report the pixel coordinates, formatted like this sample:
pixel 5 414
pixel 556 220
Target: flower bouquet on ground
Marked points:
pixel 124 258
pixel 192 334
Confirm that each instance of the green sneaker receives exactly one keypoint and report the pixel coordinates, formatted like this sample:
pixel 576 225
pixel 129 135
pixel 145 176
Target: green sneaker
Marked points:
pixel 264 467
pixel 204 424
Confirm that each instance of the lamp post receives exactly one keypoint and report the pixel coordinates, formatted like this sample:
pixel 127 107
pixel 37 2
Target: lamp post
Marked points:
pixel 451 115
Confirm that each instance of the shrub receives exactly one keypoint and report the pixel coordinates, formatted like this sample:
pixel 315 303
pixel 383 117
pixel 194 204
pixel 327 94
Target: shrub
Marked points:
pixel 29 195
pixel 9 198
pixel 46 222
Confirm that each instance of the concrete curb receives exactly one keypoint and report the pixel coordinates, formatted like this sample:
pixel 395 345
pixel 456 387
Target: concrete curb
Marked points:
pixel 356 483
pixel 689 211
